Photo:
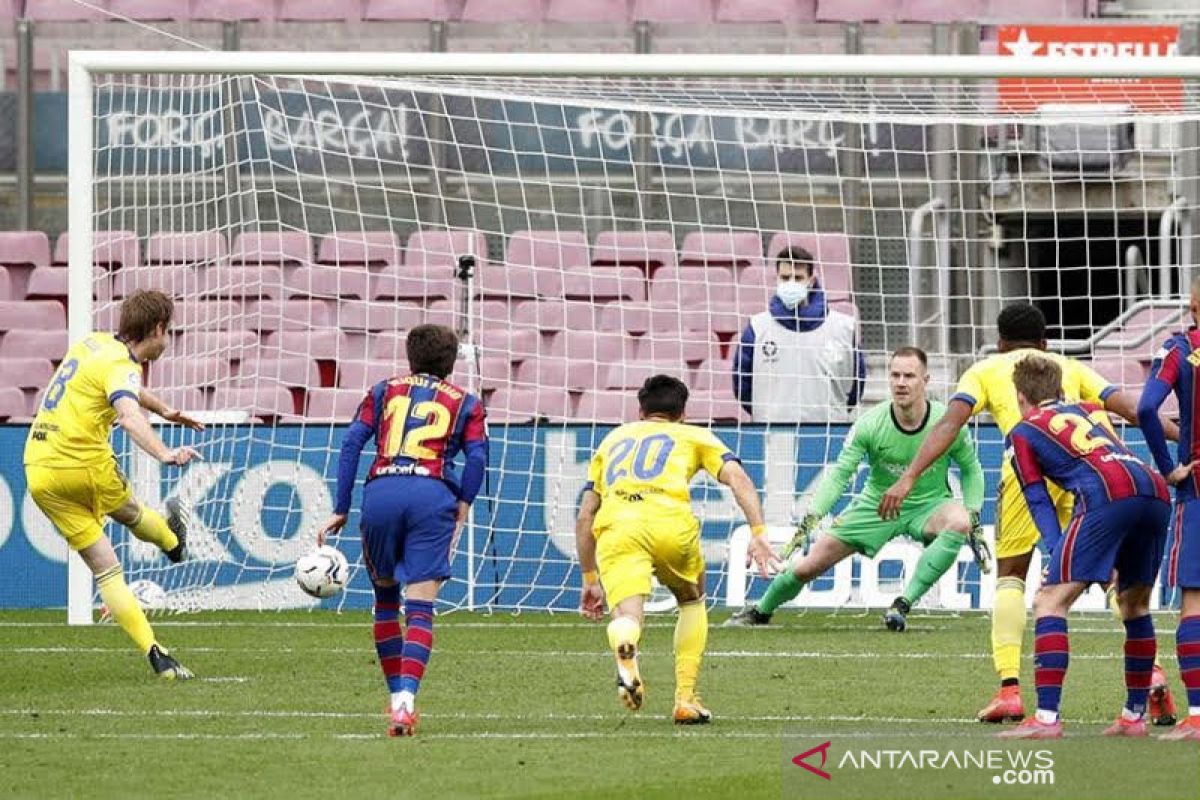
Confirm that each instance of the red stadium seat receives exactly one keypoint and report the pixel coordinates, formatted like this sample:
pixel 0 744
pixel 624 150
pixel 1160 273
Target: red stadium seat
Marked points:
pixel 13 404
pixel 324 282
pixel 334 404
pixel 151 10
pixel 603 284
pixel 205 247
pixel 34 344
pixel 588 11
pixel 857 10
pixel 766 10
pixel 361 248
pixel 608 407
pixel 502 11
pixel 40 315
pixel 692 11
pixel 721 249
pixel 26 373
pixel 647 250
pixel 175 370
pixel 410 10
pixel 267 401
pixel 66 11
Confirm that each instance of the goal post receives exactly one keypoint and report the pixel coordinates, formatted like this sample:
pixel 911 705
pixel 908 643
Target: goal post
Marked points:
pixel 968 181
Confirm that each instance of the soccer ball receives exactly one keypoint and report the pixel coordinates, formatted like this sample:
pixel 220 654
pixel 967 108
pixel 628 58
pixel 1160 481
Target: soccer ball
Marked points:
pixel 149 595
pixel 323 572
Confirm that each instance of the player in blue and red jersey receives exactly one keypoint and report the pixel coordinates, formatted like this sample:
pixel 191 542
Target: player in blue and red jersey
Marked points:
pixel 1119 522
pixel 413 506
pixel 1176 368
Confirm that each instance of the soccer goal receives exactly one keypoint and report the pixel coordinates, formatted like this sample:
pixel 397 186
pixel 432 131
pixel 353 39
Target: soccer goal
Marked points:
pixel 585 221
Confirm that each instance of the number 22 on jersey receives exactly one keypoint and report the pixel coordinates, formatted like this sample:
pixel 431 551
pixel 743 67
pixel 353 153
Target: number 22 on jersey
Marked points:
pixel 399 410
pixel 1081 438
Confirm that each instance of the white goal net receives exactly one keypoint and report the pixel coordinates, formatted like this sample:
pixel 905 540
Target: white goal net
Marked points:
pixel 583 233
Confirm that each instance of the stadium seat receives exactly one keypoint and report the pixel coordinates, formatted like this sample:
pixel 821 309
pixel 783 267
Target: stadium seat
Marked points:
pixel 225 344
pixel 289 315
pixel 515 281
pixel 202 247
pixel 6 283
pixel 591 346
pixel 438 249
pixel 692 287
pixel 648 250
pixel 361 375
pixel 323 281
pixel 10 9
pixel 373 316
pixel 298 372
pixel 66 11
pixel 502 11
pixel 333 404
pixel 588 11
pixel 52 283
pixel 410 10
pixel 714 407
pixel 755 287
pixel 517 345
pixel 151 10
pixel 34 344
pixel 176 370
pixel 110 249
pixel 721 249
pixel 20 253
pixel 766 10
pixel 857 10
pixel 320 11
pixel 360 248
pixel 940 11
pixel 712 375
pixel 267 401
pixel 548 254
pixel 1128 373
pixel 1141 326
pixel 258 282
pixel 686 346
pixel 1016 10
pixel 695 11
pixel 38 315
pixel 177 280
pixel 554 315
pixel 233 10
pixel 329 343
pixel 632 374
pixel 207 315
pixel 608 407
pixel 414 283
pixel 184 398
pixel 291 248
pixel 509 404
pixel 26 373
pixel 12 403
pixel 603 284
pixel 494 372
pixel 627 317
pixel 556 371
pixel 831 252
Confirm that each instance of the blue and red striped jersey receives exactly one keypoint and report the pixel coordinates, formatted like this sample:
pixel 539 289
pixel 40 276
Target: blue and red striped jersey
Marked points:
pixel 1074 445
pixel 1177 366
pixel 420 423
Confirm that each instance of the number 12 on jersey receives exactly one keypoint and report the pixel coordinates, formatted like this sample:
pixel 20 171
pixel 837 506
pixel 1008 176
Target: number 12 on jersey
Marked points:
pixel 411 443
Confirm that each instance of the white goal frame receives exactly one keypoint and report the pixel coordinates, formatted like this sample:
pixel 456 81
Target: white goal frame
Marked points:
pixel 84 65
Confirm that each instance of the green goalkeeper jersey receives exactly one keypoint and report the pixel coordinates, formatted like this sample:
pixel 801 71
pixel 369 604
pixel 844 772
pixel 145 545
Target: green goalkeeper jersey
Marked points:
pixel 889 450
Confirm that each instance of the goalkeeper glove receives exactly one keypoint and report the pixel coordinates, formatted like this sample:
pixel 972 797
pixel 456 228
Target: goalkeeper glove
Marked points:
pixel 979 547
pixel 801 539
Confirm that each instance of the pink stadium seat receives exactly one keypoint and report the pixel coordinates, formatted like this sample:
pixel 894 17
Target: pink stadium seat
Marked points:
pixel 6 283
pixel 177 280
pixel 376 316
pixel 30 248
pixel 588 11
pixel 272 247
pixel 330 343
pixel 1128 373
pixel 522 405
pixel 517 345
pixel 515 281
pixel 714 407
pixel 492 314
pixel 938 11
pixel 831 251
pixel 697 287
pixel 723 318
pixel 361 248
pixel 755 287
pixel 258 282
pixel 766 10
pixel 185 398
pixel 604 284
pixel 1017 10
pixel 175 370
pixel 720 248
pixel 406 10
pixel 502 11
pixel 110 249
pixel 38 315
pixel 10 9
pixel 590 346
pixel 711 375
pixel 554 315
pixel 267 401
pixel 361 375
pixel 646 249
pixel 168 10
pixel 443 248
pixel 34 344
pixel 1141 324
pixel 556 371
pixel 207 247
pixel 207 315
pixel 26 373
pixel 226 10
pixel 51 283
pixel 289 315
pixel 631 375
pixel 298 372
pixel 12 403
pixel 414 283
pixel 686 346
pixel 555 250
pixel 326 282
pixel 333 404
pixel 225 344
pixel 695 11
pixel 628 317
pixel 494 372
pixel 319 11
pixel 857 10
pixel 608 407
pixel 66 10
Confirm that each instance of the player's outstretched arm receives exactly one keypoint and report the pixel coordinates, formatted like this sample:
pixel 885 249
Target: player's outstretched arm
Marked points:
pixel 1126 405
pixel 733 475
pixel 941 437
pixel 134 423
pixel 154 404
pixel 591 600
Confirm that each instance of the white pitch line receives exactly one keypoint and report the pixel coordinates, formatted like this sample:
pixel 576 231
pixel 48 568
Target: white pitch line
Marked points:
pixel 708 732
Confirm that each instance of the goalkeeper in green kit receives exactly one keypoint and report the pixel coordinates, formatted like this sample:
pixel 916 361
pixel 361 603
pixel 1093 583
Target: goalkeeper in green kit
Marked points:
pixel 888 436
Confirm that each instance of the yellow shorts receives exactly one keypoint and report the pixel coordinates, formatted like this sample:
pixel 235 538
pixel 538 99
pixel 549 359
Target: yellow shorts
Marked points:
pixel 627 555
pixel 77 499
pixel 1016 533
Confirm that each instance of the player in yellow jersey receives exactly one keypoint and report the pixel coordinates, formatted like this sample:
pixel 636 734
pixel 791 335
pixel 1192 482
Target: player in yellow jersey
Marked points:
pixel 72 472
pixel 636 520
pixel 988 386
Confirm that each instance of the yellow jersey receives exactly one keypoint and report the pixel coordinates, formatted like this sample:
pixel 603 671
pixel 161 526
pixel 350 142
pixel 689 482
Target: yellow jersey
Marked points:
pixel 73 424
pixel 988 385
pixel 643 471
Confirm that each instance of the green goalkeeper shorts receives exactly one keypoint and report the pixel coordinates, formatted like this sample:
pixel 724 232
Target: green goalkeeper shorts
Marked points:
pixel 860 528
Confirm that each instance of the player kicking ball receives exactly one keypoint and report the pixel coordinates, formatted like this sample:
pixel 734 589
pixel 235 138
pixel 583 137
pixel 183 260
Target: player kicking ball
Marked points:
pixel 413 508
pixel 1120 522
pixel 888 436
pixel 636 520
pixel 72 472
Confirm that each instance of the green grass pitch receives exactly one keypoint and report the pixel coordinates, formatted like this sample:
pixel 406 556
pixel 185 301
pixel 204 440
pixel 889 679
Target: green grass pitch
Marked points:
pixel 290 705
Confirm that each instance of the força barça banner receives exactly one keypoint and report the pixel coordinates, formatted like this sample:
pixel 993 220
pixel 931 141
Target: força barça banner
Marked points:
pixel 262 491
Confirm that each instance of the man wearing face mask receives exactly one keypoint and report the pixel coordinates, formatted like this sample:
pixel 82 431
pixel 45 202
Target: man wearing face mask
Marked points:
pixel 798 361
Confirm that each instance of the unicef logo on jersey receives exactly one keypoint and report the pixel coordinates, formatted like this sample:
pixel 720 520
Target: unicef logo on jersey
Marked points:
pixel 770 350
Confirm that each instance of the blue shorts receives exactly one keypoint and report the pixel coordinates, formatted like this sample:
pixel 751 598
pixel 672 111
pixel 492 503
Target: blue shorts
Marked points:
pixel 407 525
pixel 1127 536
pixel 1183 554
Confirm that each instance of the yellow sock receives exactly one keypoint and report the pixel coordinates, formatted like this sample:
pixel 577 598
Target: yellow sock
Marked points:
pixel 691 636
pixel 151 527
pixel 623 630
pixel 124 608
pixel 1008 627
